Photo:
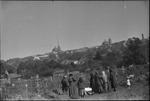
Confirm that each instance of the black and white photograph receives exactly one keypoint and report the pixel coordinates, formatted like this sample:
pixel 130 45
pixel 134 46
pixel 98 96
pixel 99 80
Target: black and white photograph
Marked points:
pixel 74 50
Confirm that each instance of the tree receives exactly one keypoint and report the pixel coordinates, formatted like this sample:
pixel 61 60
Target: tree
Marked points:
pixel 2 68
pixel 132 53
pixel 144 50
pixel 110 59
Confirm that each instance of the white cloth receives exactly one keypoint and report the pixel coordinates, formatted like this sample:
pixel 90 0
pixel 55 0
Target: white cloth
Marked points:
pixel 88 89
pixel 128 82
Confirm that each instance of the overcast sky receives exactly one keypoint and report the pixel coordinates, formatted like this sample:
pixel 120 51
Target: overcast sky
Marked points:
pixel 34 27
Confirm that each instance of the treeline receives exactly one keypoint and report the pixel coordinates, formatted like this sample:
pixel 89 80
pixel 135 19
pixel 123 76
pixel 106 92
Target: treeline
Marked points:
pixel 133 51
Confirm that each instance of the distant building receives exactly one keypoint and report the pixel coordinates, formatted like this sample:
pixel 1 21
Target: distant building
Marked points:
pixel 56 49
pixel 104 42
pixel 109 42
pixel 142 36
pixel 37 57
pixel 81 49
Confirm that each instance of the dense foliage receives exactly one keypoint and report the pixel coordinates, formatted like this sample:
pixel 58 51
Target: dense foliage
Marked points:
pixel 136 52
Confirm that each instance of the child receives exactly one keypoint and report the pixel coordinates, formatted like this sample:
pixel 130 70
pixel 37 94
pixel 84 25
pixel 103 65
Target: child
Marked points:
pixel 81 87
pixel 128 83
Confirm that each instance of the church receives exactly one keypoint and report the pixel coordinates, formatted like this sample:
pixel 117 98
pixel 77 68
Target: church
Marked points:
pixel 109 42
pixel 56 49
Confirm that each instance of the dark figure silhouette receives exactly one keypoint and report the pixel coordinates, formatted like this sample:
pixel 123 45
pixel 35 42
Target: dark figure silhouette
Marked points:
pixel 98 83
pixel 81 87
pixel 64 85
pixel 73 90
pixel 113 80
pixel 92 83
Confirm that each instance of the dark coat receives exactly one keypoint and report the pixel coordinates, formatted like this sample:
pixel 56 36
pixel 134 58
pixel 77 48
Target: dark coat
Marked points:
pixel 81 84
pixel 98 84
pixel 113 80
pixel 64 83
pixel 73 90
pixel 92 83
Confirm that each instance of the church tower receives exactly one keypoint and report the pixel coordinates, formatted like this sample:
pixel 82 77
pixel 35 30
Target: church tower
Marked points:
pixel 142 36
pixel 109 40
pixel 58 47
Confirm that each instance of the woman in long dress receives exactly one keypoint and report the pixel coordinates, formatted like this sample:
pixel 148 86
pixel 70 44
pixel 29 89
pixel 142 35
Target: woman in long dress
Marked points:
pixel 73 90
pixel 98 83
pixel 81 87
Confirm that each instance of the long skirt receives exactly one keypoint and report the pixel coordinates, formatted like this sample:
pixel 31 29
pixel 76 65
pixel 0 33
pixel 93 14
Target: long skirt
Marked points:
pixel 99 88
pixel 73 92
pixel 81 92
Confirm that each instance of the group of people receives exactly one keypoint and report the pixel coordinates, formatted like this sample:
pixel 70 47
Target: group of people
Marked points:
pixel 75 88
pixel 98 84
pixel 104 82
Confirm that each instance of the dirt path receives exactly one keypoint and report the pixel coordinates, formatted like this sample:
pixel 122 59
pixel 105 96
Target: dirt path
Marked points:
pixel 137 92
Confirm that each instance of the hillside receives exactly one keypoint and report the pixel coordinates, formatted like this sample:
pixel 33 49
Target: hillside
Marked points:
pixel 84 59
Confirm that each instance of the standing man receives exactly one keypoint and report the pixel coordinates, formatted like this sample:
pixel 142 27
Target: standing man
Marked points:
pixel 113 80
pixel 64 85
